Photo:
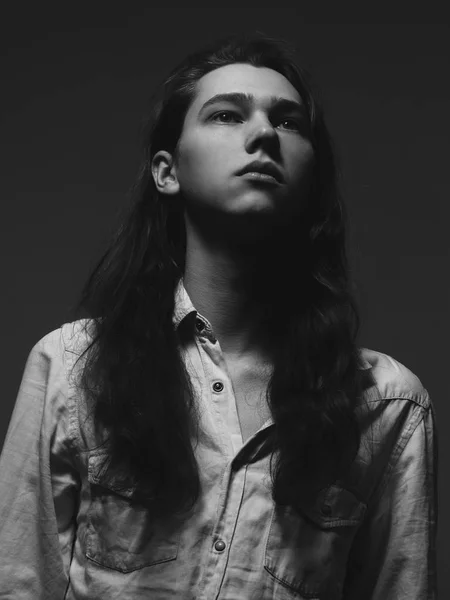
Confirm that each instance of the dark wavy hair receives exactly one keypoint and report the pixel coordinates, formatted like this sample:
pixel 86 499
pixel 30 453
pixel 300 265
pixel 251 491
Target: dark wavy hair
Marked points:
pixel 133 374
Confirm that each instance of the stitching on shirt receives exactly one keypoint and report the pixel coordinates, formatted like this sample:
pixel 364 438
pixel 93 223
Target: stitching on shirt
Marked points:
pixel 205 371
pixel 75 342
pixel 422 400
pixel 414 420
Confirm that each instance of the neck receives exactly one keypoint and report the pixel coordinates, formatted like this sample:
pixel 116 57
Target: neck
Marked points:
pixel 232 284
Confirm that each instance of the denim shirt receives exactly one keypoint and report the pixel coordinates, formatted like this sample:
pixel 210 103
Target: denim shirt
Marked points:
pixel 67 532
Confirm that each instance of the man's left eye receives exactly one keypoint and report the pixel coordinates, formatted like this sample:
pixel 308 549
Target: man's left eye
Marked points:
pixel 293 123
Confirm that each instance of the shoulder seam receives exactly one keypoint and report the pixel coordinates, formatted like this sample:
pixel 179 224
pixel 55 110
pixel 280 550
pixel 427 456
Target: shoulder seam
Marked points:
pixel 420 398
pixel 68 360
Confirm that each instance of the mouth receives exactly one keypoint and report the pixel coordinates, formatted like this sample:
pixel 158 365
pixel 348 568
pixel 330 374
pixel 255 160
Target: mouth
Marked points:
pixel 259 177
pixel 262 171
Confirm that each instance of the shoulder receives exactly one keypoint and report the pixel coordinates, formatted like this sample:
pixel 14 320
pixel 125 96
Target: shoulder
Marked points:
pixel 69 336
pixel 62 345
pixel 394 411
pixel 52 372
pixel 77 334
pixel 391 379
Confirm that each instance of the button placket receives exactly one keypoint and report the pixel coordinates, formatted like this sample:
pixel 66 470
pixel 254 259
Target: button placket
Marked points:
pixel 219 392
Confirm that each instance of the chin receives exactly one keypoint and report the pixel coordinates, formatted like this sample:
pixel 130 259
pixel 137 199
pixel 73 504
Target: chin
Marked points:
pixel 255 203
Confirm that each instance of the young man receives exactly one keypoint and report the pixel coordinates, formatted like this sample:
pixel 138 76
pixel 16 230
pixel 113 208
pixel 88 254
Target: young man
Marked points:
pixel 244 167
pixel 213 430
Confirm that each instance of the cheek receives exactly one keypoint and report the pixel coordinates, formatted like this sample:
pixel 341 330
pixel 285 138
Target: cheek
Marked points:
pixel 197 174
pixel 194 159
pixel 302 167
pixel 306 153
pixel 203 167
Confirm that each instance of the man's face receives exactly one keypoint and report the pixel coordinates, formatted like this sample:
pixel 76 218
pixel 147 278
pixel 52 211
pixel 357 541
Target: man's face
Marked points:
pixel 220 139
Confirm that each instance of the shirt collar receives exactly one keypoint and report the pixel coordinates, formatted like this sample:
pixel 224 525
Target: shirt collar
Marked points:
pixel 184 307
pixel 364 363
pixel 183 304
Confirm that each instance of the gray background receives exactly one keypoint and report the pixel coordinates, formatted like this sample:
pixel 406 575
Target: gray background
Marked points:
pixel 75 92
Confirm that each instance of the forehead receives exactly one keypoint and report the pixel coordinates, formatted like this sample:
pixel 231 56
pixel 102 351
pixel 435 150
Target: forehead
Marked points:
pixel 262 82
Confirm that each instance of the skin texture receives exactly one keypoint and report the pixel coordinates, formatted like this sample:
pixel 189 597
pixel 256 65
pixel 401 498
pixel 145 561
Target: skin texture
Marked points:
pixel 231 221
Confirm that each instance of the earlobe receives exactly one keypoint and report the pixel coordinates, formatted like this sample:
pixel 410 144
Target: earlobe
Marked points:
pixel 164 173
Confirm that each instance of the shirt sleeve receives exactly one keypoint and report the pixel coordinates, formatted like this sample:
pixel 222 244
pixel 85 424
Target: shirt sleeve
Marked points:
pixel 394 554
pixel 39 482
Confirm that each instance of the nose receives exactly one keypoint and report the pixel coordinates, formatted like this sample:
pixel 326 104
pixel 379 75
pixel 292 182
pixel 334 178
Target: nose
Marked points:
pixel 260 132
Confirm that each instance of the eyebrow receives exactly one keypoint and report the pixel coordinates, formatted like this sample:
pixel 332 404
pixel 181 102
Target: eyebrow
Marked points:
pixel 246 100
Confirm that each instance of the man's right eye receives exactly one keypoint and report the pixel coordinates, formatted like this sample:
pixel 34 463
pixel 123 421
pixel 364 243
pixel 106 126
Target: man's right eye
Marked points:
pixel 227 113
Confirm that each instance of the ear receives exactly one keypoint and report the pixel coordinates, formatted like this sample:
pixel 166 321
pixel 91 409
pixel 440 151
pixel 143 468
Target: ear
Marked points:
pixel 164 173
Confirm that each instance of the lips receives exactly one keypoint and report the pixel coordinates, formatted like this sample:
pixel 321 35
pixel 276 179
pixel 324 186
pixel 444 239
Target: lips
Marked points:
pixel 267 168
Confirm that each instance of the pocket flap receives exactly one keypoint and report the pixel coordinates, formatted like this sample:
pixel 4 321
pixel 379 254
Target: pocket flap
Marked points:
pixel 99 475
pixel 335 506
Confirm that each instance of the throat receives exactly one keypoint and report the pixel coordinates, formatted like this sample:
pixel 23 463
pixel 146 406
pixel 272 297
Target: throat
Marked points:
pixel 250 383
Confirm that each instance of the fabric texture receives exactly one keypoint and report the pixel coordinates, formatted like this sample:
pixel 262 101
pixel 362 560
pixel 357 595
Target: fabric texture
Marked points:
pixel 67 532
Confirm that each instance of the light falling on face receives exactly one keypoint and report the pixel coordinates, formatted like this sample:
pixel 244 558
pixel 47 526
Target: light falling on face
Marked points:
pixel 221 137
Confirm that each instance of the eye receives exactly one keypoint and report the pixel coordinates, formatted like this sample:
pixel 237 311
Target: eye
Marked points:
pixel 228 116
pixel 227 113
pixel 292 122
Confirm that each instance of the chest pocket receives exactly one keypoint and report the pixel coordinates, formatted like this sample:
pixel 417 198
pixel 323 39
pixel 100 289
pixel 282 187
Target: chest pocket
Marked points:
pixel 307 552
pixel 121 535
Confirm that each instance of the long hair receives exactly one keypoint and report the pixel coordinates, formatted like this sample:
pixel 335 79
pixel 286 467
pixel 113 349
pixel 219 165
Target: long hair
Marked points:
pixel 133 374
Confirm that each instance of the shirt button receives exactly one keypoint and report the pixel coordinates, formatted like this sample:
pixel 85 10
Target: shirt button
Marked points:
pixel 326 510
pixel 218 386
pixel 219 546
